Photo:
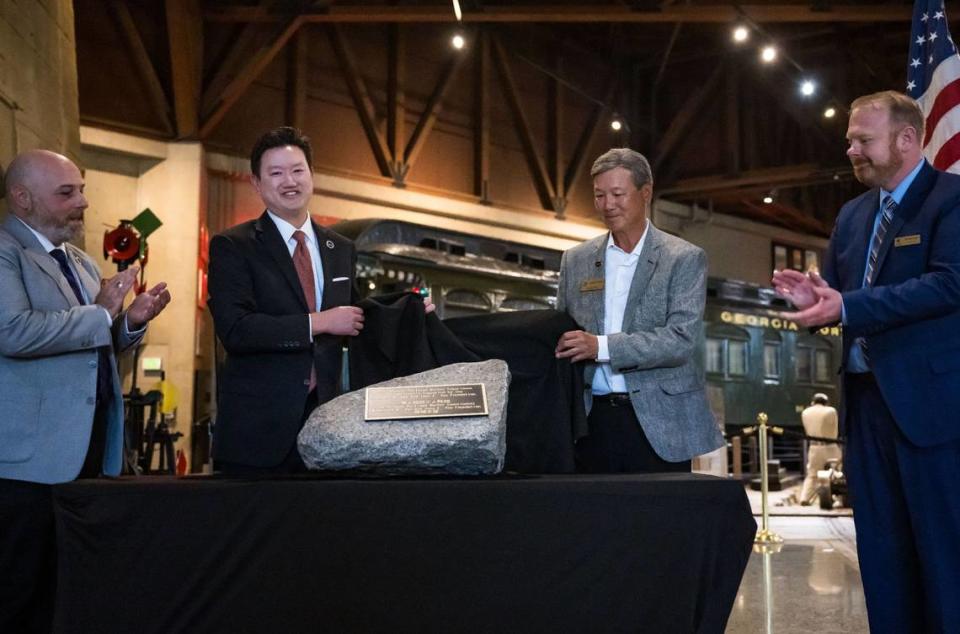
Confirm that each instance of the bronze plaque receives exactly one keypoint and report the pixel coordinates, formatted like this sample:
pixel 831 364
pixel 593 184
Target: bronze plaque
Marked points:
pixel 425 401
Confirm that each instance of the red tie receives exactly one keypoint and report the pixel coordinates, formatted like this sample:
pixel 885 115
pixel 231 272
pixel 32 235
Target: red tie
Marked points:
pixel 304 265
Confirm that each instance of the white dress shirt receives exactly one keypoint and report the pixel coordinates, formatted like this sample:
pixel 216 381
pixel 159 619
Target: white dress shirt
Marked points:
pixel 619 268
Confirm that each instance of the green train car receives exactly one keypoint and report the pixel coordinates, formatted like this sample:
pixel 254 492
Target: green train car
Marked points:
pixel 756 361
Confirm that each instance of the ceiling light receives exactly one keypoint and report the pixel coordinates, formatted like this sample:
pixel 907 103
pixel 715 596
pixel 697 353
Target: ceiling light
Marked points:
pixel 807 88
pixel 456 11
pixel 457 41
pixel 830 112
pixel 616 125
pixel 768 199
pixel 741 34
pixel 768 54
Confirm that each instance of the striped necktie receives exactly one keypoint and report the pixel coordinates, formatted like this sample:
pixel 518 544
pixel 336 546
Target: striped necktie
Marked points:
pixel 889 207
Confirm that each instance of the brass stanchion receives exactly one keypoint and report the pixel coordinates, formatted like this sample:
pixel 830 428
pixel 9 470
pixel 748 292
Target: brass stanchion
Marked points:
pixel 764 536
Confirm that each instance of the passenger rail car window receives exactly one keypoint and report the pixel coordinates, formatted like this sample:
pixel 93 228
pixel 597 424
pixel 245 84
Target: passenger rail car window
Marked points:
pixel 464 303
pixel 772 357
pixel 728 352
pixel 814 361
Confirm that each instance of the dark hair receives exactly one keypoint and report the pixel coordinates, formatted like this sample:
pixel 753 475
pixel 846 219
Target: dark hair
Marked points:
pixel 280 137
pixel 903 110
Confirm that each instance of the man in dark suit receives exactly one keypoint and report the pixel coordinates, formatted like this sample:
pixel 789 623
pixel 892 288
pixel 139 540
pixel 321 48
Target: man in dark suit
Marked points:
pixel 280 293
pixel 61 404
pixel 892 277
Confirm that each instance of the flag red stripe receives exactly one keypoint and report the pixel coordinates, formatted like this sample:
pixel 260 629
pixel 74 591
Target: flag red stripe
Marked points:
pixel 949 153
pixel 945 101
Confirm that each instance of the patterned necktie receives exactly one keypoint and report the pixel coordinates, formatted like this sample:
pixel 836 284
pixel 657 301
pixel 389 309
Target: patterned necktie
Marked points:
pixel 304 265
pixel 104 377
pixel 889 207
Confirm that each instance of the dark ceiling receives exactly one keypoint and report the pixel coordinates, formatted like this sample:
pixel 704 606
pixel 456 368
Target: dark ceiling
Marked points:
pixel 720 128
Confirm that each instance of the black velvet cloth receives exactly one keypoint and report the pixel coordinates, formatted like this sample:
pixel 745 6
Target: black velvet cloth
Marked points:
pixel 627 553
pixel 545 411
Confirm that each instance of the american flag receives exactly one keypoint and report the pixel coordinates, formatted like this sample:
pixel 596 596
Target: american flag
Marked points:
pixel 933 79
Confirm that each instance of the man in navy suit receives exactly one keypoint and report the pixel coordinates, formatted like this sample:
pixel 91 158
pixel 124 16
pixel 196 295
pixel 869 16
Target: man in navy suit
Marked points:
pixel 892 278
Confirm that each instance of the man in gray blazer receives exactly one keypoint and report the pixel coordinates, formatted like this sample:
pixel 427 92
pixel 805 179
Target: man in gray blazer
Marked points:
pixel 639 294
pixel 61 404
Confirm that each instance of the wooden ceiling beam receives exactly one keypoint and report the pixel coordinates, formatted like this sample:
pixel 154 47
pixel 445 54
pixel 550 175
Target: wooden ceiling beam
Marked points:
pixel 579 155
pixel 788 216
pixel 765 178
pixel 538 171
pixel 684 119
pixel 235 89
pixel 240 47
pixel 586 13
pixel 481 118
pixel 185 38
pixel 362 103
pixel 396 98
pixel 297 82
pixel 141 61
pixel 431 111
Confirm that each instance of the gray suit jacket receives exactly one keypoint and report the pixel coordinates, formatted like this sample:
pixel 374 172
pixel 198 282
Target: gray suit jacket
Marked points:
pixel 662 326
pixel 48 363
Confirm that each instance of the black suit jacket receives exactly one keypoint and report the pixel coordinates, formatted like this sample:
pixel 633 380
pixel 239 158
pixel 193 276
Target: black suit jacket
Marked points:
pixel 260 316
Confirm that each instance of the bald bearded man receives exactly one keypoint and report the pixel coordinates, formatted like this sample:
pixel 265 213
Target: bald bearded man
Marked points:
pixel 61 326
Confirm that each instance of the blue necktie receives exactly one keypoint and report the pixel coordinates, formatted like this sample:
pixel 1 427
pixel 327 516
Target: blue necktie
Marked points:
pixel 104 378
pixel 889 207
pixel 61 259
pixel 886 216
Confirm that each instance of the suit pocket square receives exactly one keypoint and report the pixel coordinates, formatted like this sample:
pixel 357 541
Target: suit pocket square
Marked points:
pixel 340 279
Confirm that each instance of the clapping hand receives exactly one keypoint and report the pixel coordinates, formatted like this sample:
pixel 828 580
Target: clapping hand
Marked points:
pixel 114 290
pixel 147 305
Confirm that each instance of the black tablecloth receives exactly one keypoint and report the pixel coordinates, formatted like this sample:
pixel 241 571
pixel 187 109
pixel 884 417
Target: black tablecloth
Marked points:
pixel 661 554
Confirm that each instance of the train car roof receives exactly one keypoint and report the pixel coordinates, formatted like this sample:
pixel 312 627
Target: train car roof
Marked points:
pixel 476 264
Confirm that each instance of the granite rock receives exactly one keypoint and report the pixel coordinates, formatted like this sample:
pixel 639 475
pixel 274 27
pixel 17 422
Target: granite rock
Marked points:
pixel 336 436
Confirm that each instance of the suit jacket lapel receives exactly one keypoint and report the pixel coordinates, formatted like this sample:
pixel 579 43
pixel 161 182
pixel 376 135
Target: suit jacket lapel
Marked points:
pixel 91 285
pixel 269 237
pixel 646 265
pixel 38 254
pixel 863 227
pixel 328 256
pixel 907 209
pixel 594 268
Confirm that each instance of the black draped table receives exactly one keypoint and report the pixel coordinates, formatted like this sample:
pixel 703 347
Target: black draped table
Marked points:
pixel 657 553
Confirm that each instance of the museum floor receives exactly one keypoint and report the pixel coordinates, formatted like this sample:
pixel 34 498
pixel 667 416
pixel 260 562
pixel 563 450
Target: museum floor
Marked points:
pixel 811 585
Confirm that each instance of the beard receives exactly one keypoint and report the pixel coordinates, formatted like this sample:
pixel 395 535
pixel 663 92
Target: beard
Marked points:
pixel 874 174
pixel 58 230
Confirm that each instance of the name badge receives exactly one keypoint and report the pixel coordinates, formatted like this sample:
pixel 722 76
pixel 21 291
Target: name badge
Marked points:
pixel 907 241
pixel 591 285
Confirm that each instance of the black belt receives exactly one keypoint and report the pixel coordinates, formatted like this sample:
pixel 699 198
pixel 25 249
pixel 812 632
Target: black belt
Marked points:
pixel 615 399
